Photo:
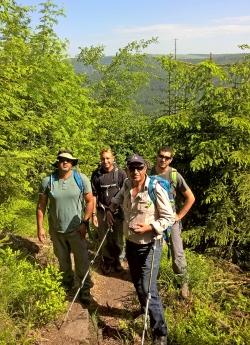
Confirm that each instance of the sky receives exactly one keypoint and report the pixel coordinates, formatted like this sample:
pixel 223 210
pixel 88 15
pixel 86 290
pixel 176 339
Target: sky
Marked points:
pixel 197 26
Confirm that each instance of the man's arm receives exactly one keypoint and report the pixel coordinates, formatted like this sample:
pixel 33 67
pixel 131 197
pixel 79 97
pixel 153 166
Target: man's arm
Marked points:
pixel 94 213
pixel 189 200
pixel 89 201
pixel 41 209
pixel 93 182
pixel 116 201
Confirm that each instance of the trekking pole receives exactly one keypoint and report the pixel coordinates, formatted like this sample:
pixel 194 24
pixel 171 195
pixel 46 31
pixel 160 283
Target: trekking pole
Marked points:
pixel 86 274
pixel 149 294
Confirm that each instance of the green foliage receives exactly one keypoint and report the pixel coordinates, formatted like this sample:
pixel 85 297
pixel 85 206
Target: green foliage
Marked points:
pixel 207 122
pixel 29 296
pixel 43 105
pixel 216 311
pixel 121 123
pixel 18 217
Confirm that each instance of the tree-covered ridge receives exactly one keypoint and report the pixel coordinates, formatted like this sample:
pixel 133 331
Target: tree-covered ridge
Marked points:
pixel 221 59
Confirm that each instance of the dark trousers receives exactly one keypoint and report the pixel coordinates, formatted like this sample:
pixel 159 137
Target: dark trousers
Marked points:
pixel 139 258
pixel 113 245
pixel 63 245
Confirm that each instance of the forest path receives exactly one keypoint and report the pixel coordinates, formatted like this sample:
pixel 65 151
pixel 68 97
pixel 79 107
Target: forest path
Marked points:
pixel 114 301
pixel 113 304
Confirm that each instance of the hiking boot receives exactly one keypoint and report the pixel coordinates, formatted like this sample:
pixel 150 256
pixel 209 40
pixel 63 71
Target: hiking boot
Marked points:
pixel 68 286
pixel 137 313
pixel 106 268
pixel 118 267
pixel 162 340
pixel 184 291
pixel 85 298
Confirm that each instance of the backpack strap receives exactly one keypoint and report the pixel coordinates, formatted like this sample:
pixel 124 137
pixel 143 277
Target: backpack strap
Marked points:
pixel 53 177
pixel 77 177
pixel 151 188
pixel 78 180
pixel 116 177
pixel 173 177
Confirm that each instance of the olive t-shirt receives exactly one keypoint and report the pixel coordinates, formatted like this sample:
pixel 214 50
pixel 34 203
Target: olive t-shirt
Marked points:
pixel 65 202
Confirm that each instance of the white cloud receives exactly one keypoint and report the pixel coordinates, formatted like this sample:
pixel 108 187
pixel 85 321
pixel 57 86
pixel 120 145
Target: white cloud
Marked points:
pixel 186 31
pixel 220 36
pixel 233 20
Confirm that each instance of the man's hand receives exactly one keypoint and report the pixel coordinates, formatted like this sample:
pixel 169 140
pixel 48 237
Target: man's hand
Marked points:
pixel 110 218
pixel 140 228
pixel 83 230
pixel 95 220
pixel 41 234
pixel 177 217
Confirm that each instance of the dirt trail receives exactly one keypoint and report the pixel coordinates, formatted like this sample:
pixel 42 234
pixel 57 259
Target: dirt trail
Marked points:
pixel 114 301
pixel 115 298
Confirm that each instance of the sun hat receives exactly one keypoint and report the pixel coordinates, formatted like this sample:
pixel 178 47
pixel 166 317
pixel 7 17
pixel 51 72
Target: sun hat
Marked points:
pixel 66 155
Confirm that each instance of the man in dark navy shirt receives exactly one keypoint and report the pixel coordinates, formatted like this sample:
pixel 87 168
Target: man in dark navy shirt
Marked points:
pixel 106 181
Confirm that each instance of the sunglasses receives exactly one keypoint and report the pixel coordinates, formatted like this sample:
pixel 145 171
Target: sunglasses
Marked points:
pixel 140 168
pixel 61 160
pixel 164 157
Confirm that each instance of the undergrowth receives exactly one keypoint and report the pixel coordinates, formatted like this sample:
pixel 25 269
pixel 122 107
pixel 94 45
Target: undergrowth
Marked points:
pixel 29 297
pixel 17 217
pixel 217 310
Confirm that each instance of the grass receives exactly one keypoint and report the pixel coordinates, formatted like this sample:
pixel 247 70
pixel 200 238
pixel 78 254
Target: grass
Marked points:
pixel 216 312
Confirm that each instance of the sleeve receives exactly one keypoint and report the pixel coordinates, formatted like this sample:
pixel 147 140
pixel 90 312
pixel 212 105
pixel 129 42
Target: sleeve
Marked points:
pixel 117 200
pixel 86 184
pixel 44 186
pixel 122 177
pixel 94 184
pixel 166 214
pixel 182 185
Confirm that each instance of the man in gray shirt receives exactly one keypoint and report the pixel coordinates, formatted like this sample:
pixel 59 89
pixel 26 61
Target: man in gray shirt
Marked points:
pixel 179 186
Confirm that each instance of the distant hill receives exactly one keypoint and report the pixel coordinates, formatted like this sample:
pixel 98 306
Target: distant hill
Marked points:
pixel 221 59
pixel 151 97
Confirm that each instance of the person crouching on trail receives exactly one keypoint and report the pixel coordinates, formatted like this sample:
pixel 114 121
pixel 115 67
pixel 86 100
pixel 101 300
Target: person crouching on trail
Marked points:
pixel 66 190
pixel 144 222
pixel 106 181
pixel 182 191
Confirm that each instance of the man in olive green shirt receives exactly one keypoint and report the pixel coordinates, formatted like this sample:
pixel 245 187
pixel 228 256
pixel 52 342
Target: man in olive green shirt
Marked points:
pixel 65 191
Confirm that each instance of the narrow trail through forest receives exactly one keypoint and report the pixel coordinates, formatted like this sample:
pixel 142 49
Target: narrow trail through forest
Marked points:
pixel 114 302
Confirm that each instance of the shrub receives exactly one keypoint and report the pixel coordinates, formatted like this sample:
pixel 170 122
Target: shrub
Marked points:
pixel 29 296
pixel 216 311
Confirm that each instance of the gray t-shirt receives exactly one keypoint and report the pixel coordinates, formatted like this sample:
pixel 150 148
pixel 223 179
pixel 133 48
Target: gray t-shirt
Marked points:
pixel 65 203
